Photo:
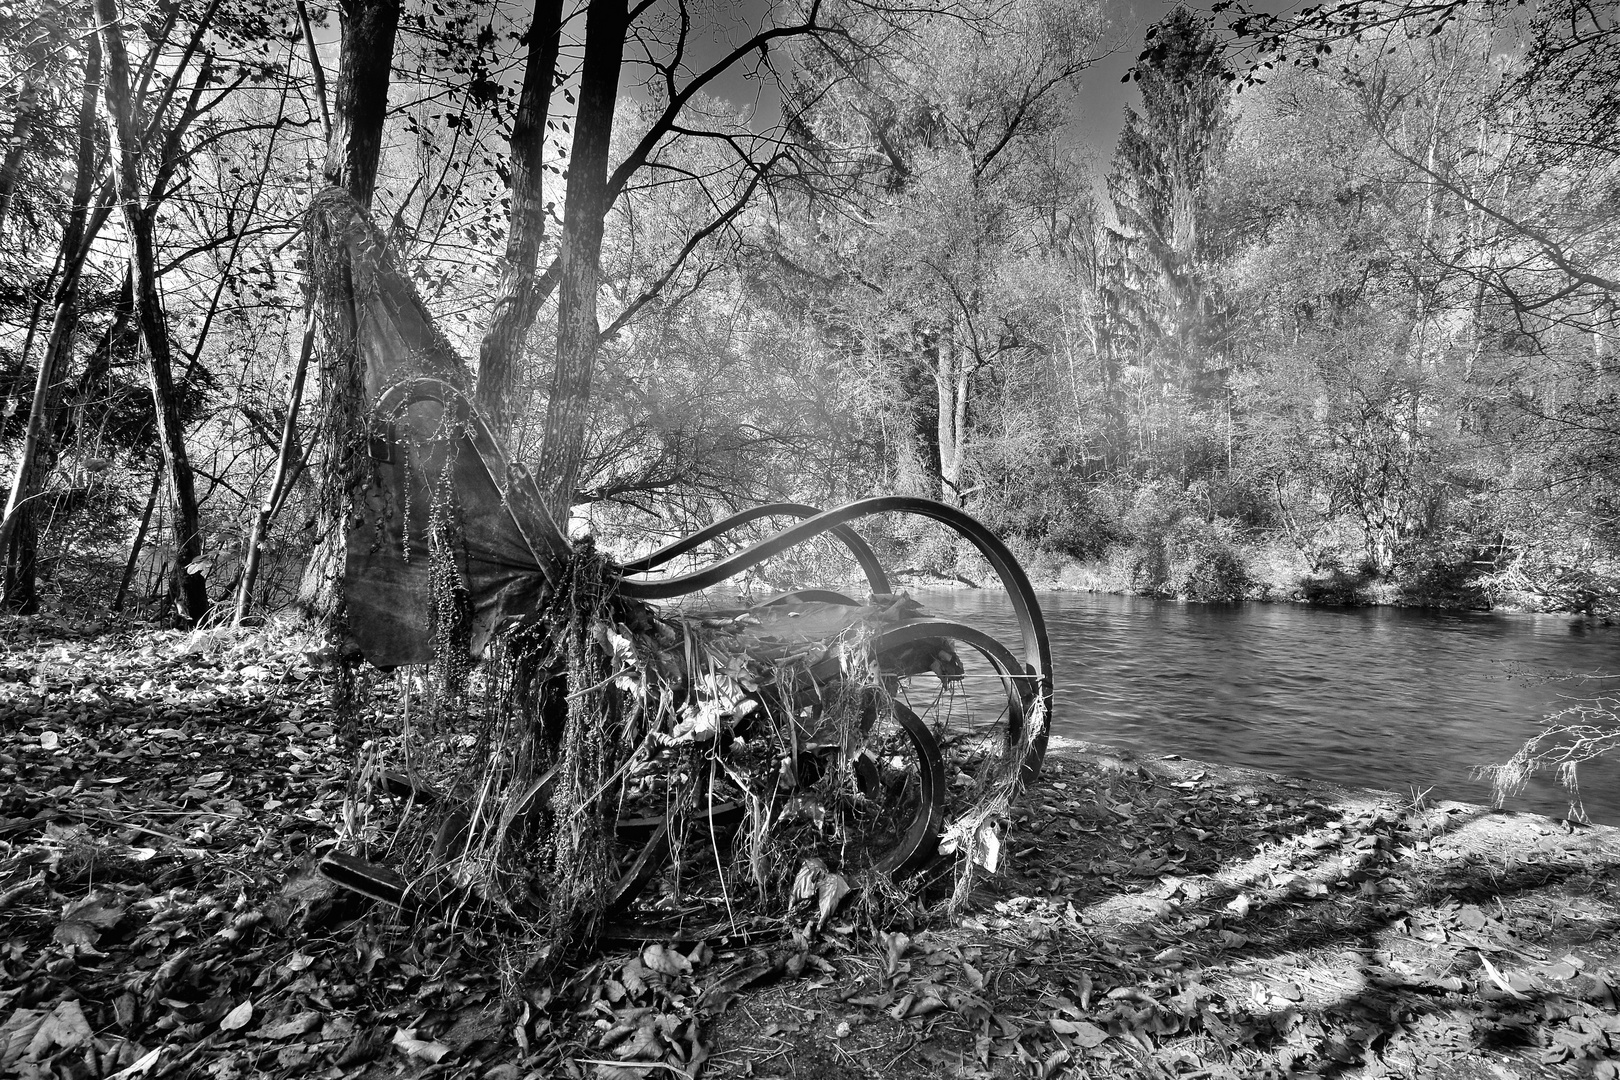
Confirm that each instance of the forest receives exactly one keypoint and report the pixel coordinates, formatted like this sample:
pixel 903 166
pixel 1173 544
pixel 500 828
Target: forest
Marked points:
pixel 1334 320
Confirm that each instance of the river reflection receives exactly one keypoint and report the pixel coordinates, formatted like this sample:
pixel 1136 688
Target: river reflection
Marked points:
pixel 1394 698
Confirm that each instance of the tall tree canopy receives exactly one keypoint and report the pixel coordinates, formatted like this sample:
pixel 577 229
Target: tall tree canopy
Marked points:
pixel 1351 313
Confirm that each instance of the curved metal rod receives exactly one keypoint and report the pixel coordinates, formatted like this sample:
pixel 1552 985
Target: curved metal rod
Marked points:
pixel 1037 649
pixel 858 547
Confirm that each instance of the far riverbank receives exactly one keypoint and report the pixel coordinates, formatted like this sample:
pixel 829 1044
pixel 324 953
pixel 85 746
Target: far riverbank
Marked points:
pixel 1279 574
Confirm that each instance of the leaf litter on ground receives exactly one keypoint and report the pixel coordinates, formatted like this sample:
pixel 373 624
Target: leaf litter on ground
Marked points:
pixel 163 798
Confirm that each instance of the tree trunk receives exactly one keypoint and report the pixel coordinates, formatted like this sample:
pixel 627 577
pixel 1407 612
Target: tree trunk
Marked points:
pixel 562 443
pixel 518 300
pixel 22 129
pixel 18 533
pixel 139 541
pixel 352 154
pixel 919 464
pixel 281 479
pixel 191 590
pixel 951 373
pixel 366 62
pixel 316 71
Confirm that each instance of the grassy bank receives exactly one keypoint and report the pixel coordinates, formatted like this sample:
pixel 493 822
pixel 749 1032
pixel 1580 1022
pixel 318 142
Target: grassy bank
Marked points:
pixel 1220 566
pixel 164 797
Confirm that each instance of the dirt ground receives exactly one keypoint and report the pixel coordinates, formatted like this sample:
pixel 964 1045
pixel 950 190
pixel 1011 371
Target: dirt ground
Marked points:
pixel 163 798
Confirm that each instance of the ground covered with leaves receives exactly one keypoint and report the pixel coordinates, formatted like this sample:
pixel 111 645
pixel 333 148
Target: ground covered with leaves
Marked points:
pixel 164 797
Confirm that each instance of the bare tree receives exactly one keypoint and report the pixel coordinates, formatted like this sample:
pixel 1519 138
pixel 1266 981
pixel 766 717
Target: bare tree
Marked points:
pixel 17 530
pixel 139 211
pixel 562 443
pixel 518 299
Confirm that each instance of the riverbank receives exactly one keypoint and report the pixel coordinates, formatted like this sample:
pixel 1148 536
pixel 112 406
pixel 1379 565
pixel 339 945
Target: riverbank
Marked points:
pixel 164 798
pixel 1166 917
pixel 1275 571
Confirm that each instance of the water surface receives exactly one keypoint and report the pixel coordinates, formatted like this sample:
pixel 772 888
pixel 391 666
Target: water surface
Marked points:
pixel 1398 698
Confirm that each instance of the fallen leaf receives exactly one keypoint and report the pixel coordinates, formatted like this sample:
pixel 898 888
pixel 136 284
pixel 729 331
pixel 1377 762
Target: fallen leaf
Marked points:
pixel 634 976
pixel 1498 978
pixel 406 1042
pixel 237 1018
pixel 642 1045
pixel 294 1026
pixel 807 882
pixel 17 1032
pixel 83 923
pixel 894 947
pixel 65 1028
pixel 831 893
pixel 1083 1032
pixel 987 848
pixel 139 1067
pixel 665 961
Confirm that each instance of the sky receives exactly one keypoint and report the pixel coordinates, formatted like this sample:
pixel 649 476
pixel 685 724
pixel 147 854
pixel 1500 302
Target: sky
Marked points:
pixel 1103 96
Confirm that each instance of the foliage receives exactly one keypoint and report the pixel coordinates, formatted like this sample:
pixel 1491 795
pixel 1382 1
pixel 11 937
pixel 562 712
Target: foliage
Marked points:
pixel 1358 307
pixel 1178 552
pixel 1159 185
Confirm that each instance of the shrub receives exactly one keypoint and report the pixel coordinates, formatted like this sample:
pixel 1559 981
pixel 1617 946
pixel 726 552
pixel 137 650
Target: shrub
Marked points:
pixel 1176 552
pixel 1213 569
pixel 1054 511
pixel 1444 576
pixel 1335 587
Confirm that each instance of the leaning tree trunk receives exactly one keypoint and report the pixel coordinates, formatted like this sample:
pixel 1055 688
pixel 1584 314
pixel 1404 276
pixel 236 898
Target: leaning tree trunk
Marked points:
pixel 18 532
pixel 562 443
pixel 518 299
pixel 352 154
pixel 191 591
pixel 22 130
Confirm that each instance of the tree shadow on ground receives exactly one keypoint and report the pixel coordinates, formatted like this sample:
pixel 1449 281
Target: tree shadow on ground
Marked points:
pixel 1198 922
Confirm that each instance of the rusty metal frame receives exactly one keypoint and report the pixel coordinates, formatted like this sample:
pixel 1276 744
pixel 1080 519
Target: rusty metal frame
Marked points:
pixel 876 578
pixel 1028 682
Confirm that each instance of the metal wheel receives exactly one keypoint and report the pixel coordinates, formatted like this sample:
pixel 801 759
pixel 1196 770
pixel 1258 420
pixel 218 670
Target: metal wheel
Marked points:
pixel 867 789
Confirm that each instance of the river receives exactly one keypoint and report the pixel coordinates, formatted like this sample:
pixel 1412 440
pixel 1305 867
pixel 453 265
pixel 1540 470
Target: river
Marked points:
pixel 1398 698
